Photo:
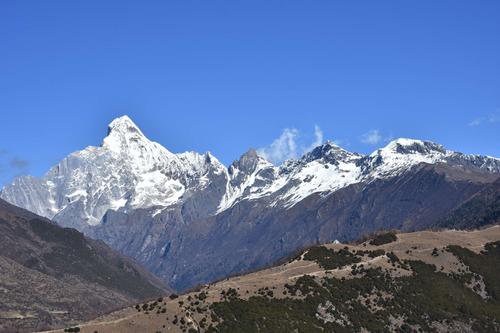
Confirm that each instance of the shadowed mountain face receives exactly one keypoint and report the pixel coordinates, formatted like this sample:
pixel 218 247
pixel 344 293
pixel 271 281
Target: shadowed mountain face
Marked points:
pixel 52 276
pixel 190 220
pixel 252 234
pixel 481 209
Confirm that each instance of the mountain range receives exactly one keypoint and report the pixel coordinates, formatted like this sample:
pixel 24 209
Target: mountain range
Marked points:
pixel 190 220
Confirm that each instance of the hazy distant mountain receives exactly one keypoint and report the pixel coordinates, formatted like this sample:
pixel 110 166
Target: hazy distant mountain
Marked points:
pixel 53 277
pixel 190 219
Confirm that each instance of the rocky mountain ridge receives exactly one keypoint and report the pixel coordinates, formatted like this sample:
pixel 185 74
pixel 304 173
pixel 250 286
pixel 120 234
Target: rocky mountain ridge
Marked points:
pixel 191 220
pixel 128 171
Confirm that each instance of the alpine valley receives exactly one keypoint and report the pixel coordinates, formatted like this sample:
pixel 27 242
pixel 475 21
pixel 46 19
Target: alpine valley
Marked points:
pixel 191 220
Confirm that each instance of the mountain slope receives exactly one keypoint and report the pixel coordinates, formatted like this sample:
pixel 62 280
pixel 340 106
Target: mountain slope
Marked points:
pixel 480 210
pixel 252 234
pixel 190 220
pixel 50 276
pixel 415 282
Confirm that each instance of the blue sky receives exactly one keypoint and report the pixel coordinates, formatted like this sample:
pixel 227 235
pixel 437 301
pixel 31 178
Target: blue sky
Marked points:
pixel 225 76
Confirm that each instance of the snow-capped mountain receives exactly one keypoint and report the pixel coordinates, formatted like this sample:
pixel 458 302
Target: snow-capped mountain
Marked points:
pixel 328 168
pixel 127 171
pixel 177 212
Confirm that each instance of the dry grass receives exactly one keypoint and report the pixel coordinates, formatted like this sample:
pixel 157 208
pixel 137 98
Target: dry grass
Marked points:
pixel 415 246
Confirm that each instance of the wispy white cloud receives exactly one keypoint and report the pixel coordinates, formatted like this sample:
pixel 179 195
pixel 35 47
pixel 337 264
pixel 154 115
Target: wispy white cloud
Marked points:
pixel 371 137
pixel 475 122
pixel 489 119
pixel 283 148
pixel 289 145
pixel 318 138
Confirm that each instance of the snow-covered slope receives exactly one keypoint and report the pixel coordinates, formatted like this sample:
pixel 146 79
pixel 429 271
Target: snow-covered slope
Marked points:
pixel 328 168
pixel 190 220
pixel 128 171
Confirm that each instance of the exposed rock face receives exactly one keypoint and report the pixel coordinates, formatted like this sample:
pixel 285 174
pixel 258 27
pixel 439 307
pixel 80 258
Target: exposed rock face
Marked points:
pixel 191 220
pixel 52 276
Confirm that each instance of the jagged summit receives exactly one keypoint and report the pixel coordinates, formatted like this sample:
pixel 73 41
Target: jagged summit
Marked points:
pixel 122 130
pixel 330 152
pixel 402 154
pixel 410 150
pixel 412 146
pixel 249 162
pixel 124 134
pixel 250 155
pixel 123 125
pixel 128 171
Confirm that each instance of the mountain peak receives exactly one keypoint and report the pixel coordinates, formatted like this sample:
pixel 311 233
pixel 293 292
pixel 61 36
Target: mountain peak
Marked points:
pixel 122 131
pixel 249 161
pixel 330 143
pixel 329 151
pixel 123 125
pixel 407 141
pixel 250 153
pixel 403 153
pixel 412 146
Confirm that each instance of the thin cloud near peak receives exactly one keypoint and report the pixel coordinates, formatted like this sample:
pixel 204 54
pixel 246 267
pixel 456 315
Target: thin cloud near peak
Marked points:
pixel 290 146
pixel 282 148
pixel 318 134
pixel 371 137
pixel 489 119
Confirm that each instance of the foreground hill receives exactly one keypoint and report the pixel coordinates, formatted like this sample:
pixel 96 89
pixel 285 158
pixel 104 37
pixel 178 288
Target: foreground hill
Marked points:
pixel 191 220
pixel 425 281
pixel 52 277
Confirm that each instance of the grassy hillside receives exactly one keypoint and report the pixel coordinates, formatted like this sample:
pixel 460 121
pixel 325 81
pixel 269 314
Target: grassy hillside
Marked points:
pixel 416 282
